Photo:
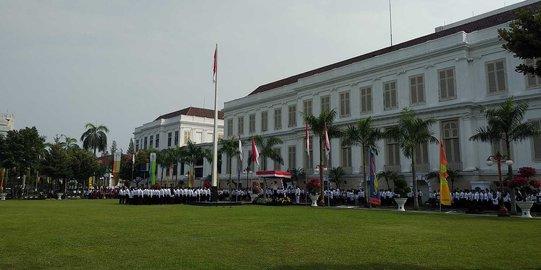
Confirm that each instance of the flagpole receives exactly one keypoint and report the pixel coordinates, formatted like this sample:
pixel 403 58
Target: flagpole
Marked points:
pixel 214 188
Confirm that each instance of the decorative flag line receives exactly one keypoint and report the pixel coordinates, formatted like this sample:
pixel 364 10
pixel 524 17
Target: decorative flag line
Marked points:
pixel 374 193
pixel 445 194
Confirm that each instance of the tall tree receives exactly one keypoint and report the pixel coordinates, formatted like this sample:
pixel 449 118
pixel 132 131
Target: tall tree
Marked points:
pixel 317 125
pixel 190 154
pixel 57 164
pixel 113 147
pixel 83 164
pixel 363 133
pixel 523 39
pixel 229 147
pixel 411 132
pixel 23 151
pixel 505 124
pixel 131 148
pixel 95 137
pixel 336 174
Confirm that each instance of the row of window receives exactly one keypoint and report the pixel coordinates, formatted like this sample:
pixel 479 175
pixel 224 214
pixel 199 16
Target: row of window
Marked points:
pixel 450 136
pixel 496 83
pixel 149 142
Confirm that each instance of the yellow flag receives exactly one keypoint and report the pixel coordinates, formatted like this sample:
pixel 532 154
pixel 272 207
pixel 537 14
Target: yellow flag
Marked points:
pixel 90 182
pixel 445 195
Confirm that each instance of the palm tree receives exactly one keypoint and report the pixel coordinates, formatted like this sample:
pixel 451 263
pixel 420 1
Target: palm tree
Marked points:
pixel 387 175
pixel 266 150
pixel 229 147
pixel 297 174
pixel 317 125
pixel 190 154
pixel 364 134
pixel 95 137
pixel 410 133
pixel 505 124
pixel 336 174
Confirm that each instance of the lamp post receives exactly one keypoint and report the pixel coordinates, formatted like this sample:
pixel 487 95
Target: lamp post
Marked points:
pixel 317 171
pixel 502 212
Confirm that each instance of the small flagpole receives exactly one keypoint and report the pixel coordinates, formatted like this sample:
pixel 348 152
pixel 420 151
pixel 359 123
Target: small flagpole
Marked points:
pixel 215 135
pixel 391 22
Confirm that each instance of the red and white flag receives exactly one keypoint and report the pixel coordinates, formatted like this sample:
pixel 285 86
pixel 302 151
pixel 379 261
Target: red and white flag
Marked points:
pixel 255 153
pixel 240 149
pixel 326 143
pixel 307 139
pixel 215 69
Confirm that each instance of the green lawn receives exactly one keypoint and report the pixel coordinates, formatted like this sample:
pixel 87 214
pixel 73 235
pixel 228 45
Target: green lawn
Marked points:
pixel 100 234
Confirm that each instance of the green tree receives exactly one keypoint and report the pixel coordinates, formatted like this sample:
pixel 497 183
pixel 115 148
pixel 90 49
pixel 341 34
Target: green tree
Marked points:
pixel 113 148
pixel 505 124
pixel 23 149
pixel 229 147
pixel 336 174
pixel 190 154
pixel 266 146
pixel 523 39
pixel 297 174
pixel 83 164
pixel 363 133
pixel 387 175
pixel 317 125
pixel 95 137
pixel 57 164
pixel 411 132
pixel 131 148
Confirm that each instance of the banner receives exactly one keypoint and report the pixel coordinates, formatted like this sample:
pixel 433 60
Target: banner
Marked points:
pixel 445 194
pixel 116 166
pixel 374 188
pixel 90 182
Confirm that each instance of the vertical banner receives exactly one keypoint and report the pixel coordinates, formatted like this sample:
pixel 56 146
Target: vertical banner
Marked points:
pixel 116 167
pixel 91 182
pixel 153 168
pixel 374 189
pixel 445 194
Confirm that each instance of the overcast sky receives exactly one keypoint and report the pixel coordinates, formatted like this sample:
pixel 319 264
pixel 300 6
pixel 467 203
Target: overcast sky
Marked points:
pixel 123 63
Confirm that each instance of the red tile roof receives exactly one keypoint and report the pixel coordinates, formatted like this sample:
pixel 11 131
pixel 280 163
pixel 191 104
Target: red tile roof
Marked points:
pixel 469 27
pixel 192 111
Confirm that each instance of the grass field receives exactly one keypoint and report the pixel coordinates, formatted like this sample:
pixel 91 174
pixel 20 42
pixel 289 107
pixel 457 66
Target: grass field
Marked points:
pixel 100 234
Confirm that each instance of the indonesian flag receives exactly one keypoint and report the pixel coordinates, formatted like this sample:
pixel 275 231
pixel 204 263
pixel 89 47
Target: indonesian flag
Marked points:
pixel 240 149
pixel 215 69
pixel 326 144
pixel 307 140
pixel 255 153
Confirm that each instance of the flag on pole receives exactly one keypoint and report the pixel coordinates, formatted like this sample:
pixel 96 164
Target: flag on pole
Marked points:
pixel 326 143
pixel 255 153
pixel 240 149
pixel 374 188
pixel 307 140
pixel 133 158
pixel 153 168
pixel 445 194
pixel 215 69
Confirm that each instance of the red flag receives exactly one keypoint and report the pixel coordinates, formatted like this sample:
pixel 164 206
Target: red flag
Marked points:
pixel 240 149
pixel 215 69
pixel 255 153
pixel 307 140
pixel 326 145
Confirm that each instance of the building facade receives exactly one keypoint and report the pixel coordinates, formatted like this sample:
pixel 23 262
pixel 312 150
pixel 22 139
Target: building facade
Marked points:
pixel 7 123
pixel 177 129
pixel 447 76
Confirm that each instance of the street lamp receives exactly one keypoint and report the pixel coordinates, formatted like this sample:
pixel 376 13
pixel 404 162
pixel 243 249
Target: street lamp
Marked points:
pixel 502 212
pixel 323 169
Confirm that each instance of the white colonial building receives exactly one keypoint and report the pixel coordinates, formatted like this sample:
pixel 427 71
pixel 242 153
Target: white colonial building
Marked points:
pixel 447 76
pixel 7 123
pixel 177 129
